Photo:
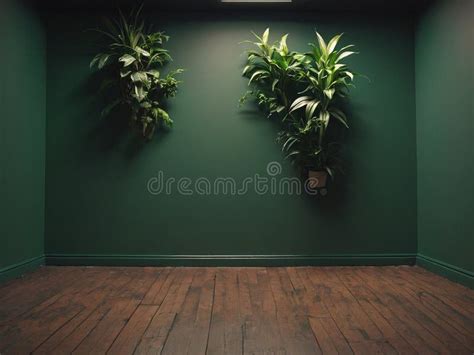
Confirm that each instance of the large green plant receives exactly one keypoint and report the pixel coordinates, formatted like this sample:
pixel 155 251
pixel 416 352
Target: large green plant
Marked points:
pixel 304 91
pixel 132 62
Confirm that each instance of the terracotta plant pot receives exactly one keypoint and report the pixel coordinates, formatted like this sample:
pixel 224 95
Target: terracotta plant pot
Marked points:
pixel 318 179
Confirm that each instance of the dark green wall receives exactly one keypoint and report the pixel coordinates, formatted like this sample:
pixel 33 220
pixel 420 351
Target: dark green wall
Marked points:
pixel 22 135
pixel 445 133
pixel 96 196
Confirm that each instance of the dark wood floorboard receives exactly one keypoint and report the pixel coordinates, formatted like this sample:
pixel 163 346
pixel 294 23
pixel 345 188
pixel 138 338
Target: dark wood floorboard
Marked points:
pixel 292 310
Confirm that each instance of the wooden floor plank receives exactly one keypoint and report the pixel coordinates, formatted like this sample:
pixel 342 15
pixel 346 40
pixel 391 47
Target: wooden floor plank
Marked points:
pixel 351 319
pixel 260 326
pixel 463 324
pixel 200 334
pixel 36 295
pixel 153 295
pixel 437 325
pixel 90 298
pixel 105 332
pixel 293 310
pixel 128 339
pixel 448 292
pixel 310 295
pixel 66 340
pixel 156 335
pixel 191 328
pixel 328 336
pixel 124 303
pixel 395 303
pixel 294 325
pixel 217 332
pixel 411 331
pixel 360 294
pixel 449 288
pixel 59 309
pixel 233 336
pixel 36 278
pixel 179 335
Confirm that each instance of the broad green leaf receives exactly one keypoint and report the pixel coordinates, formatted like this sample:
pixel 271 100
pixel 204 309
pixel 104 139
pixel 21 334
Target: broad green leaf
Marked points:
pixel 283 45
pixel 161 58
pixel 257 73
pixel 315 53
pixel 333 42
pixel 275 81
pixel 345 48
pixel 338 66
pixel 127 59
pixel 322 45
pixel 299 100
pixel 314 81
pixel 124 72
pixel 340 116
pixel 139 76
pixel 299 105
pixel 95 60
pixel 101 60
pixel 265 36
pixel 154 73
pixel 161 114
pixel 344 55
pixel 349 74
pixel 324 117
pixel 310 108
pixel 140 93
pixel 289 143
pixel 295 152
pixel 329 93
pixel 141 51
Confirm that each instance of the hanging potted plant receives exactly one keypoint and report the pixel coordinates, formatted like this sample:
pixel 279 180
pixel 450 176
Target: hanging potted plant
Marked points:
pixel 304 91
pixel 133 61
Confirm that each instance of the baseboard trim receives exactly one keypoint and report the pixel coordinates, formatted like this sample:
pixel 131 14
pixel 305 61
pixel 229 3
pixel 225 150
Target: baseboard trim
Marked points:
pixel 230 260
pixel 16 270
pixel 447 270
pixel 450 271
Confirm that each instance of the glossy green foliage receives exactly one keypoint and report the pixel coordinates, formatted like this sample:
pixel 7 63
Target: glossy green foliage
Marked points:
pixel 133 60
pixel 304 90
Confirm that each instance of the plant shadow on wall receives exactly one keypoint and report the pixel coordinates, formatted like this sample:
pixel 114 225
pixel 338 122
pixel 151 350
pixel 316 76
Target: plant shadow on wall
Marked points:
pixel 130 79
pixel 305 92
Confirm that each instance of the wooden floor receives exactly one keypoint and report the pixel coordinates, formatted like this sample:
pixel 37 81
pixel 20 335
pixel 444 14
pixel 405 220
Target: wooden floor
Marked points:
pixel 363 310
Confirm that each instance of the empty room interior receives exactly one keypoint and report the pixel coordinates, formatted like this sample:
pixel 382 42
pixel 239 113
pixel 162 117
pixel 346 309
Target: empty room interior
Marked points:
pixel 237 177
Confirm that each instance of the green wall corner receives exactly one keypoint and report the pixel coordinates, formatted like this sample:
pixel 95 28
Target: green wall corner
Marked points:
pixel 449 271
pixel 19 269
pixel 444 56
pixel 22 139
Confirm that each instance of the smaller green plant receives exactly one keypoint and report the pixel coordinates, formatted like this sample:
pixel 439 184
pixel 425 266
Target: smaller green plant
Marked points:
pixel 132 61
pixel 304 90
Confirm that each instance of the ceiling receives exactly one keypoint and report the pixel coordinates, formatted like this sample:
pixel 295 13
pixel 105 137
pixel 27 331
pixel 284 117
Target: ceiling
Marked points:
pixel 206 5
